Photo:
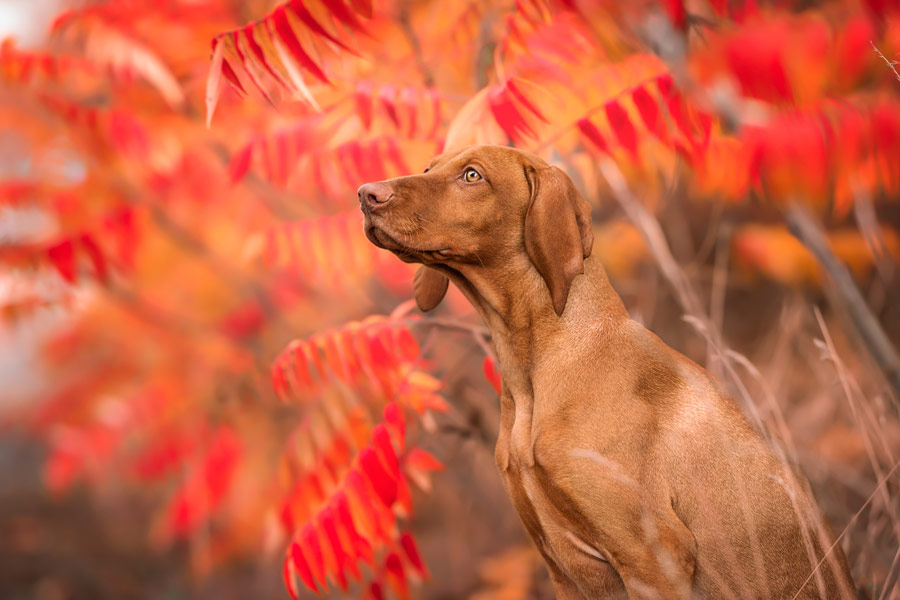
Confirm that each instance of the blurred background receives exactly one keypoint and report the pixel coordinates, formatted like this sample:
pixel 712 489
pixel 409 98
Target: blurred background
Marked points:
pixel 200 352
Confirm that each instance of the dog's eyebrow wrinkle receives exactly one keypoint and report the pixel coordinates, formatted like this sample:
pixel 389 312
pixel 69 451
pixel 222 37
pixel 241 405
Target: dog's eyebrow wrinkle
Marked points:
pixel 585 547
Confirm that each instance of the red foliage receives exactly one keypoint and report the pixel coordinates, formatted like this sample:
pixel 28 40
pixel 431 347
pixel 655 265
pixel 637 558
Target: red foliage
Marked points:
pixel 221 247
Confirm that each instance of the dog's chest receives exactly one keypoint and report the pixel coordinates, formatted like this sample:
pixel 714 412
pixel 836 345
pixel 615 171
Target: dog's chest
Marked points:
pixel 515 459
pixel 556 529
pixel 551 518
pixel 521 484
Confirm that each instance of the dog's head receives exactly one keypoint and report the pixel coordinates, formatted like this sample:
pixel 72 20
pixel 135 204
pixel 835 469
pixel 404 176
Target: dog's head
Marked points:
pixel 475 208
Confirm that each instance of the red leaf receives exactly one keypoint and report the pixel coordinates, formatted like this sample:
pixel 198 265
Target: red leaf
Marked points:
pixel 62 255
pixel 240 163
pixel 423 461
pixel 412 554
pixel 313 552
pixel 363 7
pixel 675 105
pixel 373 161
pixel 260 56
pixel 315 358
pixel 126 234
pixel 590 131
pixel 388 97
pixel 161 456
pixel 289 582
pixel 96 256
pixel 361 546
pixel 235 38
pixel 719 6
pixel 301 367
pixel 396 576
pixel 886 129
pixel 381 358
pixel 326 519
pixel 404 497
pixel 298 8
pixel 345 539
pixel 339 10
pixel 507 114
pixel 650 113
pixel 385 486
pixel 853 49
pixel 302 567
pixel 283 28
pixel 621 126
pixel 513 88
pixel 359 164
pixel 393 415
pixel 381 442
pixel 393 153
pixel 220 462
pixel 61 468
pixel 677 13
pixel 407 345
pixel 315 486
pixel 244 321
pixel 356 486
pixel 755 55
pixel 279 384
pixel 333 357
pixel 202 493
pixel 490 369
pixel 409 99
pixel 128 135
pixel 436 108
pixel 232 77
pixel 362 97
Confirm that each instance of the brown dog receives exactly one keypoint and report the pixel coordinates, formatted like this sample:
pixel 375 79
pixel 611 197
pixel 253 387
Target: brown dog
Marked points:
pixel 634 472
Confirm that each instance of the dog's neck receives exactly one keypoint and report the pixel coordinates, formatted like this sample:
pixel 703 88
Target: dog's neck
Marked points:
pixel 526 332
pixel 523 324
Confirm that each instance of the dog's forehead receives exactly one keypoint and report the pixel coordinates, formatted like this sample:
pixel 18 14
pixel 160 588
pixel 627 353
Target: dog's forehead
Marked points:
pixel 488 156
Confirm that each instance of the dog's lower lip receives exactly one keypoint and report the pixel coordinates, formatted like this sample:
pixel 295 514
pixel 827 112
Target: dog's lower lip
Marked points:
pixel 384 240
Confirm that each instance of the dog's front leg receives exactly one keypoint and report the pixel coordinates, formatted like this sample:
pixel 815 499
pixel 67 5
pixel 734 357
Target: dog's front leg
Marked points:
pixel 656 557
pixel 563 587
pixel 604 516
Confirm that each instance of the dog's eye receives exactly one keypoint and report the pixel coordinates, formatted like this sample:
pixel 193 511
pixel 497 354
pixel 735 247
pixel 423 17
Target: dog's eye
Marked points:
pixel 471 175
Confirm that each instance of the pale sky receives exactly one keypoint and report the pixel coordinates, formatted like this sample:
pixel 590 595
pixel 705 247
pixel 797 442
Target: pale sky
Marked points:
pixel 27 20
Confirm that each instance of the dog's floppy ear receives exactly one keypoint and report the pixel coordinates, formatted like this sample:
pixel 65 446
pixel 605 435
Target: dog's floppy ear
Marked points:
pixel 558 235
pixel 429 287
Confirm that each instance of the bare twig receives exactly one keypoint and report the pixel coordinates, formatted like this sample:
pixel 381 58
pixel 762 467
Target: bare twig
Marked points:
pixel 656 241
pixel 480 334
pixel 892 64
pixel 844 378
pixel 828 553
pixel 867 220
pixel 718 289
pixel 406 25
pixel 866 325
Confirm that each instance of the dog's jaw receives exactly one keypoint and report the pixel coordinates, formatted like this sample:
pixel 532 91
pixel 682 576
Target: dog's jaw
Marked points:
pixel 381 238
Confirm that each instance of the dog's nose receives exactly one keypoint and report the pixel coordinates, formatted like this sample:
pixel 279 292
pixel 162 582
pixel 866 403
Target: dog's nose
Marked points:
pixel 374 195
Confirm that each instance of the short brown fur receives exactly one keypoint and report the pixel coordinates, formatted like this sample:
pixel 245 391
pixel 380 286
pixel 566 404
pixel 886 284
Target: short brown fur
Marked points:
pixel 636 476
